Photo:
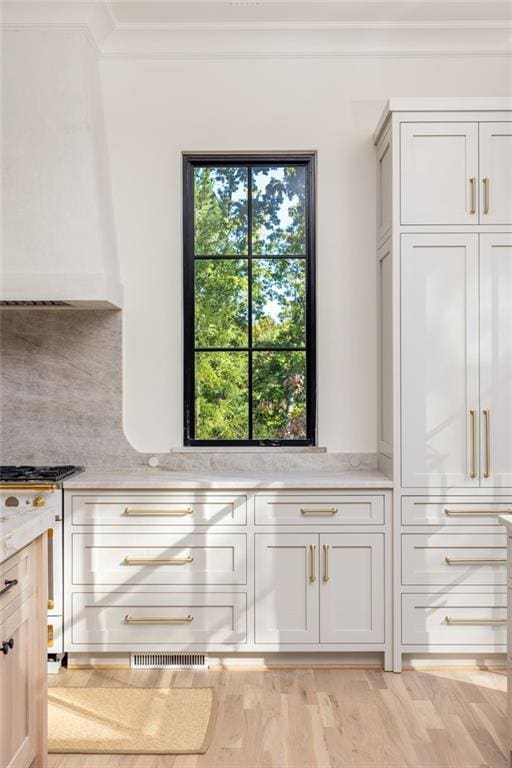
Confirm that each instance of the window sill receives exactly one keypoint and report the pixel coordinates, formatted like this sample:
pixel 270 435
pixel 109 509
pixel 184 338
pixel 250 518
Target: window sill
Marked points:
pixel 250 449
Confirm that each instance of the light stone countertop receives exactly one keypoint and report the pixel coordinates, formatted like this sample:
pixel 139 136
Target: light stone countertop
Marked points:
pixel 157 479
pixel 18 529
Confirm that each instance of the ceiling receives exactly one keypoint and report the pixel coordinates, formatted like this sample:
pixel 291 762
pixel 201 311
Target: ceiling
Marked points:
pixel 316 12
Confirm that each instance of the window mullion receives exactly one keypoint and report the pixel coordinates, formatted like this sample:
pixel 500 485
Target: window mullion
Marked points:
pixel 249 297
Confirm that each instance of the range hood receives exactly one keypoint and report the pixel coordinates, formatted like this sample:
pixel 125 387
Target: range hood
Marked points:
pixel 58 240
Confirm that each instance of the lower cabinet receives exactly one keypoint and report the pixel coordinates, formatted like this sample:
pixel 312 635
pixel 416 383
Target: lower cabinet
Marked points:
pixel 319 588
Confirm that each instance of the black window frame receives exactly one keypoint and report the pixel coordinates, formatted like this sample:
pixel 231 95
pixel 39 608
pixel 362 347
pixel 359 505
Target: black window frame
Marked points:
pixel 190 161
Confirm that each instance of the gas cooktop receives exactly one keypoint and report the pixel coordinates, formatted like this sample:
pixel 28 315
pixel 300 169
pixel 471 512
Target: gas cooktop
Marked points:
pixel 26 474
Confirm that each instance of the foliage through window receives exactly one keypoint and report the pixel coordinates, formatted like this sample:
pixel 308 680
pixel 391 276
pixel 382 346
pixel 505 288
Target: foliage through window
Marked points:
pixel 249 300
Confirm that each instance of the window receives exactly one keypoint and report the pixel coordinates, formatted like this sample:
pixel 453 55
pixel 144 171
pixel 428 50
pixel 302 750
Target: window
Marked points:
pixel 249 299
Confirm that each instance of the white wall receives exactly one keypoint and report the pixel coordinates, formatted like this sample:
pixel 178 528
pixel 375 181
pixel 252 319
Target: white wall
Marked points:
pixel 155 109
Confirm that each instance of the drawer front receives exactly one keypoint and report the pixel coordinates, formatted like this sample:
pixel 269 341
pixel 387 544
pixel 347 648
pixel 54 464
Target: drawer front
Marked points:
pixel 303 509
pixel 16 575
pixel 158 620
pixel 456 620
pixel 425 510
pixel 151 558
pixel 454 559
pixel 154 509
pixel 55 641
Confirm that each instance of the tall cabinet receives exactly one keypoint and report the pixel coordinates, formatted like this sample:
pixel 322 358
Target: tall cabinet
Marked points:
pixel 444 251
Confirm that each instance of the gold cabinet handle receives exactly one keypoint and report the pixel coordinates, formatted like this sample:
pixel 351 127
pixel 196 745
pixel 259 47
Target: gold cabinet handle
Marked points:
pixel 475 560
pixel 319 511
pixel 476 512
pixel 472 414
pixel 157 560
pixel 472 192
pixel 485 182
pixel 312 563
pixel 464 620
pixel 326 576
pixel 155 512
pixel 50 635
pixel 158 619
pixel 487 417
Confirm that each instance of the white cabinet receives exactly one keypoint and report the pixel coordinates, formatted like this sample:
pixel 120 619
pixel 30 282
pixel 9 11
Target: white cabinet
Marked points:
pixel 439 173
pixel 496 173
pixel 352 588
pixel 455 173
pixel 328 588
pixel 439 360
pixel 496 359
pixel 286 583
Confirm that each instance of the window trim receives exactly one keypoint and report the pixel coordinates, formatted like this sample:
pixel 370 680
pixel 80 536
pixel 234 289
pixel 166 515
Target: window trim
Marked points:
pixel 190 161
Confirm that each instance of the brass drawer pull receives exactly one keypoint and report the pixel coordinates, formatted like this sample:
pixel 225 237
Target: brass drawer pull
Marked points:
pixel 472 190
pixel 326 562
pixel 320 511
pixel 455 620
pixel 485 182
pixel 158 619
pixel 475 560
pixel 158 512
pixel 476 512
pixel 487 417
pixel 312 563
pixel 472 414
pixel 157 560
pixel 50 635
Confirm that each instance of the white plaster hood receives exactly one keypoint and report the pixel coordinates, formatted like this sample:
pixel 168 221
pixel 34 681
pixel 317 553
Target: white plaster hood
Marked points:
pixel 58 240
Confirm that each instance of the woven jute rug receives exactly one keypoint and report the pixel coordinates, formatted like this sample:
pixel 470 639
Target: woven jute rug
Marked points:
pixel 174 721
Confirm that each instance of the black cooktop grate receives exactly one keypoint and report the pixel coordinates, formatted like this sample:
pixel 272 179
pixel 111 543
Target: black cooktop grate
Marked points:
pixel 22 474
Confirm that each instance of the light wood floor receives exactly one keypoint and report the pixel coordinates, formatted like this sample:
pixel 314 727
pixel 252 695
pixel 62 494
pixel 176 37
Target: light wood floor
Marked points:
pixel 328 719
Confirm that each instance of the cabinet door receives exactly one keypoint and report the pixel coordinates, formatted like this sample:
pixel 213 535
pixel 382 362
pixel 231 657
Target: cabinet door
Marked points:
pixel 286 603
pixel 438 162
pixel 17 740
pixel 496 359
pixel 496 173
pixel 439 360
pixel 352 588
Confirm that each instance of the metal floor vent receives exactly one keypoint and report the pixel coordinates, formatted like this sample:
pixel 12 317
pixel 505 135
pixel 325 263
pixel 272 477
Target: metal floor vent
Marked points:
pixel 33 303
pixel 168 661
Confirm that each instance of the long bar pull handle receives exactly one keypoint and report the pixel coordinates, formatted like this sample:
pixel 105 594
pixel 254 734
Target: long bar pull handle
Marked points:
pixel 319 511
pixel 464 620
pixel 157 560
pixel 472 414
pixel 475 560
pixel 29 486
pixel 476 512
pixel 326 563
pixel 485 182
pixel 472 192
pixel 158 512
pixel 487 417
pixel 51 589
pixel 158 619
pixel 312 563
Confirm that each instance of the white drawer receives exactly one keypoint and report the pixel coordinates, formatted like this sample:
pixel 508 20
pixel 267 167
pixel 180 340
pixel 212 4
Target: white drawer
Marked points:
pixel 55 642
pixel 457 620
pixel 426 510
pixel 155 509
pixel 158 558
pixel 159 620
pixel 454 559
pixel 304 509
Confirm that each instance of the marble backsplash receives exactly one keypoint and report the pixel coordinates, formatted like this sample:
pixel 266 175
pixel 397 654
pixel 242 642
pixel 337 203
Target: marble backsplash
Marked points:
pixel 61 401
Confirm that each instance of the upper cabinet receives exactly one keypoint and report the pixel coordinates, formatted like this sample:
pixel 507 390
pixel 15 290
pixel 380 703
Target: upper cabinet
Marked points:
pixel 495 173
pixel 455 173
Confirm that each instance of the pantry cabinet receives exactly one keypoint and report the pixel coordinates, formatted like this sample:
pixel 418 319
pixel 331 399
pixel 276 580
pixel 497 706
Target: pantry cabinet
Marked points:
pixel 445 365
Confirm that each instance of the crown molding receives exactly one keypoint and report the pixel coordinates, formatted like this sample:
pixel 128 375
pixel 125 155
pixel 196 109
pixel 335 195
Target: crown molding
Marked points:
pixel 262 40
